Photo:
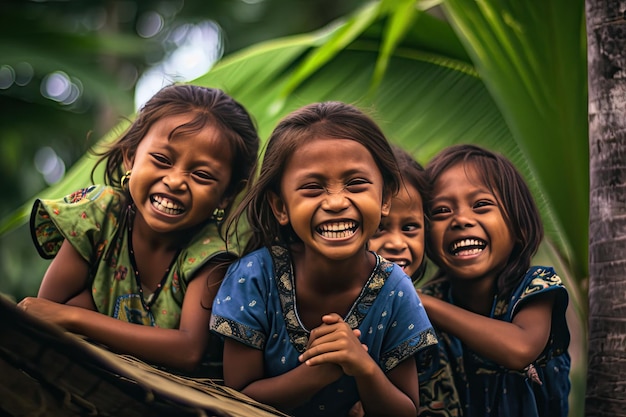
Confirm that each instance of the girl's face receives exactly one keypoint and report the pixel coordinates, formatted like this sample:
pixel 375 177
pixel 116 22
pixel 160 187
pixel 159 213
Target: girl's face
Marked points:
pixel 469 235
pixel 177 183
pixel 331 193
pixel 400 236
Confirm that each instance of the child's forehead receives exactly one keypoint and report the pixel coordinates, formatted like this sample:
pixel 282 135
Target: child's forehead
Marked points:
pixel 330 146
pixel 467 172
pixel 331 154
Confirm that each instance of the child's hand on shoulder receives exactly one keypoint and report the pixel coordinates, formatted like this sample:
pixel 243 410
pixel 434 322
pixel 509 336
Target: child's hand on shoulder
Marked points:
pixel 335 342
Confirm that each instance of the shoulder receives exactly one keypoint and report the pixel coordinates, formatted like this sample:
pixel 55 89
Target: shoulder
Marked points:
pixel 95 201
pixel 540 280
pixel 206 246
pixel 83 215
pixel 103 194
pixel 255 265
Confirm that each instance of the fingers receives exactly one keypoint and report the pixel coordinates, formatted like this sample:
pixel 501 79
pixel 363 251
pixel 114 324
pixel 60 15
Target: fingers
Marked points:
pixel 24 303
pixel 331 318
pixel 332 344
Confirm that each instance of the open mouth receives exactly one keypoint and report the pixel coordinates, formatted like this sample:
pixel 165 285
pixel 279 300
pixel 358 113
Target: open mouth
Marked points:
pixel 166 205
pixel 467 247
pixel 337 230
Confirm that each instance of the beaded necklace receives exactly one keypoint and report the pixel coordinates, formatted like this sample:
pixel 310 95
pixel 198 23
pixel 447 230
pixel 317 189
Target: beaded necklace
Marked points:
pixel 131 254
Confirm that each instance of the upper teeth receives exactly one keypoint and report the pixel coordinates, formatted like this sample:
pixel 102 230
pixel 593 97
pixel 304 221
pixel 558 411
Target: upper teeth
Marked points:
pixel 337 227
pixel 337 230
pixel 466 242
pixel 166 205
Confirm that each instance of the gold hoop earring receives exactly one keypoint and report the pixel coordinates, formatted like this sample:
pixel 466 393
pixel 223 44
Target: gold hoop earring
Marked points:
pixel 124 180
pixel 218 214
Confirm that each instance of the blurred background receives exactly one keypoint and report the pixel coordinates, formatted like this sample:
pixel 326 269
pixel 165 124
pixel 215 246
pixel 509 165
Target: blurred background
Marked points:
pixel 510 75
pixel 71 70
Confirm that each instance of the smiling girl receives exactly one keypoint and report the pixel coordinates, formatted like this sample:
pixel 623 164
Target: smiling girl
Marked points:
pixel 137 262
pixel 400 235
pixel 501 322
pixel 313 321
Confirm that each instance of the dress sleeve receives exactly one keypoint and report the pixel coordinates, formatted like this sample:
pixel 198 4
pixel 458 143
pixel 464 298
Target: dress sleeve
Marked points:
pixel 410 331
pixel 206 246
pixel 84 218
pixel 543 280
pixel 239 309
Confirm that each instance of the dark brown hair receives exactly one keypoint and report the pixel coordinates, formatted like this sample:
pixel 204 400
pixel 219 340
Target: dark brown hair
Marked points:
pixel 318 120
pixel 209 106
pixel 514 197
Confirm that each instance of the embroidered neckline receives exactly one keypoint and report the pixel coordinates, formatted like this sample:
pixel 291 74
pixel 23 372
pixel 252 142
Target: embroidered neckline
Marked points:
pixel 283 275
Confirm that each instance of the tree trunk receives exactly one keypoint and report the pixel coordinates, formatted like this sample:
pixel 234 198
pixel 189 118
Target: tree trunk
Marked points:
pixel 606 377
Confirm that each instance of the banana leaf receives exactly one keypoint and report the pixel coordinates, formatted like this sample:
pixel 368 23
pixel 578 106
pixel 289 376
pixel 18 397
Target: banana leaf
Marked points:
pixel 509 75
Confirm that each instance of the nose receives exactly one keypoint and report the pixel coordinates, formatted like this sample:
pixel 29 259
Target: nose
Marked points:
pixel 394 242
pixel 462 219
pixel 175 180
pixel 335 201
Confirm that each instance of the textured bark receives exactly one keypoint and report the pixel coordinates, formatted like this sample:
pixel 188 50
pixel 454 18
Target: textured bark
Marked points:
pixel 606 375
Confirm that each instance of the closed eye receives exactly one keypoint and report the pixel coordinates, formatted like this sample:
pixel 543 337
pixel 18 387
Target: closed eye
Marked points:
pixel 203 176
pixel 311 189
pixel 161 160
pixel 357 185
pixel 484 204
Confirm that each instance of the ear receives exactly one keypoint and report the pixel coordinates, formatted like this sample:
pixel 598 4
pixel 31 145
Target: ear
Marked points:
pixel 225 202
pixel 386 206
pixel 278 208
pixel 128 161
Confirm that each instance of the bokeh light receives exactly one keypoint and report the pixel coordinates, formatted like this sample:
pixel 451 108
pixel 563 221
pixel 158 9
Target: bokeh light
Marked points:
pixel 49 164
pixel 196 48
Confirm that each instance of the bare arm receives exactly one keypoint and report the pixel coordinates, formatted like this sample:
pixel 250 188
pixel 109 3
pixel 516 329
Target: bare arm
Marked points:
pixel 513 345
pixel 66 276
pixel 243 371
pixel 180 348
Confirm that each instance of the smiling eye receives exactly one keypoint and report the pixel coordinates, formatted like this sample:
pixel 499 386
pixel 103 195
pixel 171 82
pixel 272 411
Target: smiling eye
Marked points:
pixel 311 189
pixel 203 176
pixel 439 212
pixel 483 204
pixel 161 159
pixel 357 185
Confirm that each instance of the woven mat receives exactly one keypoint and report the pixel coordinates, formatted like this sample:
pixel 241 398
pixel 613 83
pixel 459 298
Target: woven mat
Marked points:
pixel 46 371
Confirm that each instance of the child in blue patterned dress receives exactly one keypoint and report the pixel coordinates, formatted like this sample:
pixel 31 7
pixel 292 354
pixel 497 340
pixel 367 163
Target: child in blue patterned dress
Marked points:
pixel 313 321
pixel 501 323
pixel 137 262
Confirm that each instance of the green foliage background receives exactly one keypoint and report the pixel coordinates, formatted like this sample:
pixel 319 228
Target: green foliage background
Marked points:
pixel 507 74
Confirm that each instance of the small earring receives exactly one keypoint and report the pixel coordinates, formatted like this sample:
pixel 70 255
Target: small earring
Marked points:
pixel 124 180
pixel 218 215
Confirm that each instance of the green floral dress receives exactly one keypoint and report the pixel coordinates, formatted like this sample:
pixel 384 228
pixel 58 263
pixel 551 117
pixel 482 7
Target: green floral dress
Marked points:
pixel 93 220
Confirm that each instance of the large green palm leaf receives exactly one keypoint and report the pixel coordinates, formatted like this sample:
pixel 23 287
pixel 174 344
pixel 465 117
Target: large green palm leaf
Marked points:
pixel 506 74
pixel 427 93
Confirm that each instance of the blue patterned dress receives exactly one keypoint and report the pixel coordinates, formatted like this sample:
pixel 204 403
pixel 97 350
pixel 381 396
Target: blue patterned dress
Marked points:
pixel 485 389
pixel 256 305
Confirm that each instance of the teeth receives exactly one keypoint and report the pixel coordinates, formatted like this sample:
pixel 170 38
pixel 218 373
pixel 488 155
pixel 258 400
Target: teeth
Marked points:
pixel 337 230
pixel 467 242
pixel 166 205
pixel 467 247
